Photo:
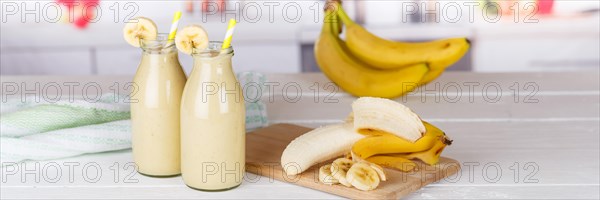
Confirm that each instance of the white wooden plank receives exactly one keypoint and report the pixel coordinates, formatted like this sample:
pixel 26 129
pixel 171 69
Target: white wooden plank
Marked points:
pixel 557 100
pixel 547 81
pixel 565 153
pixel 549 108
pixel 244 191
pixel 287 191
pixel 507 192
pixel 550 83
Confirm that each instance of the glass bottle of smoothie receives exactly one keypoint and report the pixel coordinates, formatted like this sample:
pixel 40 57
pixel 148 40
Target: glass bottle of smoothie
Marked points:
pixel 212 123
pixel 159 83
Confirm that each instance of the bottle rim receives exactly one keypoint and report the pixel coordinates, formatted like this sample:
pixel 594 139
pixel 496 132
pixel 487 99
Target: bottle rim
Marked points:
pixel 159 37
pixel 213 49
pixel 160 43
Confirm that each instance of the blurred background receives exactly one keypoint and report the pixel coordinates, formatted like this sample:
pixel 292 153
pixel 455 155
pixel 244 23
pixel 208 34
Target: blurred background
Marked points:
pixel 84 37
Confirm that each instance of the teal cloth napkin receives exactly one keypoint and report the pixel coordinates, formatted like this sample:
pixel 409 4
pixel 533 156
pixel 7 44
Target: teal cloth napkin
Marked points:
pixel 31 130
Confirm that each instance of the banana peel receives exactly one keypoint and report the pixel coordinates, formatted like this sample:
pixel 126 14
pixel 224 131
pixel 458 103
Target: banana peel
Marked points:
pixel 430 157
pixel 394 162
pixel 385 143
pixel 394 152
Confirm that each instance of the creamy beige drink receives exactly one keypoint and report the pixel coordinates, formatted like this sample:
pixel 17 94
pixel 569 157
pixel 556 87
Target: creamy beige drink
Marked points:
pixel 159 83
pixel 212 123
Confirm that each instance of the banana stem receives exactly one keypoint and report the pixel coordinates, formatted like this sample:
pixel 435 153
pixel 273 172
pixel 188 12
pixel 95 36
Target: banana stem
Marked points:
pixel 342 15
pixel 330 24
pixel 333 25
pixel 447 140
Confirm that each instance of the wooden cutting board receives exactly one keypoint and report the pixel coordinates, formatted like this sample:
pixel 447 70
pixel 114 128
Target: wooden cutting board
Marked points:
pixel 265 146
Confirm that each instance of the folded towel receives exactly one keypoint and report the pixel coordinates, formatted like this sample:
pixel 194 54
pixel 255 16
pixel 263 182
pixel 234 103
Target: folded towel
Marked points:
pixel 43 131
pixel 67 142
pixel 33 118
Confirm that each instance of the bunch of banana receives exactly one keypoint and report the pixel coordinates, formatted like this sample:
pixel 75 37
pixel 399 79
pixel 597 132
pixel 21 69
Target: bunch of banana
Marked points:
pixel 366 65
pixel 355 76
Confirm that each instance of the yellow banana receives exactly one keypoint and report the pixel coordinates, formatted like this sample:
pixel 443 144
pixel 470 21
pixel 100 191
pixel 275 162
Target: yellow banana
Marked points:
pixel 385 143
pixel 431 75
pixel 356 77
pixel 385 54
pixel 393 162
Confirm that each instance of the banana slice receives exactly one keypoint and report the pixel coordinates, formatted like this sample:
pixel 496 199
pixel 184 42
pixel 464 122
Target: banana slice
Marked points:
pixel 339 168
pixel 379 171
pixel 139 28
pixel 191 37
pixel 376 167
pixel 325 175
pixel 363 177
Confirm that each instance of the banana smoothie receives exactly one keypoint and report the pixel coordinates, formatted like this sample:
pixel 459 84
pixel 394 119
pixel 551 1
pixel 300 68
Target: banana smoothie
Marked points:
pixel 159 83
pixel 212 123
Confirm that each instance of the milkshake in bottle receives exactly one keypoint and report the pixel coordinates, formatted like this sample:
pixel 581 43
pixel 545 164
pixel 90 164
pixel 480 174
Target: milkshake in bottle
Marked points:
pixel 159 83
pixel 212 123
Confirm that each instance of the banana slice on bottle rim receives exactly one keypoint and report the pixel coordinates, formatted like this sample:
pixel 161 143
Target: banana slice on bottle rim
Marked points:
pixel 191 38
pixel 139 28
pixel 339 169
pixel 363 177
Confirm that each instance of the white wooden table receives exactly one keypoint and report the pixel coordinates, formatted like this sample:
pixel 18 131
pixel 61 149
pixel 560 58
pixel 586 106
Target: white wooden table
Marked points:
pixel 539 142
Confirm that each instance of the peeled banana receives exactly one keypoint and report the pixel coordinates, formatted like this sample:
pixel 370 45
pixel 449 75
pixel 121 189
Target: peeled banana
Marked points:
pixel 317 146
pixel 377 116
pixel 357 77
pixel 385 54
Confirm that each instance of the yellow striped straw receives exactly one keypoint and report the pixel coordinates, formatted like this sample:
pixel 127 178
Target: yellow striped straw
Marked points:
pixel 174 25
pixel 229 34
